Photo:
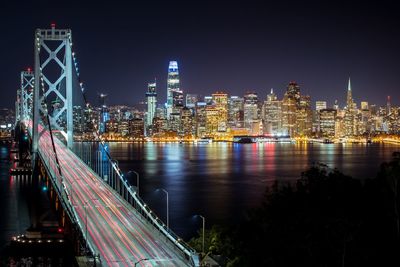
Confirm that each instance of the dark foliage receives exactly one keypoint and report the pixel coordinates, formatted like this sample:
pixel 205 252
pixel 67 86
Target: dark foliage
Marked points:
pixel 325 219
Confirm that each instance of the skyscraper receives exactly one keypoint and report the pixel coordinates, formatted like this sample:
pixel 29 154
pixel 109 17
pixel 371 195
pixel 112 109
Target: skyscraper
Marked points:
pixel 290 104
pixel 272 114
pixel 104 113
pixel 304 116
pixel 350 128
pixel 220 101
pixel 235 112
pixel 201 119
pixel 173 85
pixel 151 99
pixel 349 101
pixel 251 112
pixel 293 90
pixel 188 125
pixel 327 122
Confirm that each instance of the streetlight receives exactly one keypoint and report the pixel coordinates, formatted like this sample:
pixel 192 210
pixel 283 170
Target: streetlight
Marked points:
pixel 166 192
pixel 137 181
pixel 204 226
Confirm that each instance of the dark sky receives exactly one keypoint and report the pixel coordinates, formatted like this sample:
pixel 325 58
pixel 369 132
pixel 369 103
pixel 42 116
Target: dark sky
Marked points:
pixel 233 46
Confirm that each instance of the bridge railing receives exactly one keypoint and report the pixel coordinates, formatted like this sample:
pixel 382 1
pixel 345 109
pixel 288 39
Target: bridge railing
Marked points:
pixel 100 162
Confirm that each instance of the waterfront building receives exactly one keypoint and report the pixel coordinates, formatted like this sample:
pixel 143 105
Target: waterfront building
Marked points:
pixel 173 85
pixel 160 126
pixel 304 117
pixel 123 128
pixel 272 114
pixel 201 119
pixel 188 129
pixel 250 110
pixel 111 127
pixel 220 101
pixel 212 120
pixel 327 122
pixel 136 128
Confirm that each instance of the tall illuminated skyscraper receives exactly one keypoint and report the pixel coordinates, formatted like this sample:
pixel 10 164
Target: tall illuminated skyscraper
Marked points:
pixel 349 96
pixel 235 112
pixel 350 114
pixel 250 109
pixel 173 85
pixel 220 100
pixel 272 114
pixel 151 99
pixel 290 105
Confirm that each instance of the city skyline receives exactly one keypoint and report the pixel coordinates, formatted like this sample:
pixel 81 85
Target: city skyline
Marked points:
pixel 231 47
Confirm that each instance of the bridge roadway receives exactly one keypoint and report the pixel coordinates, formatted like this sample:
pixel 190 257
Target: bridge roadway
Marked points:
pixel 121 236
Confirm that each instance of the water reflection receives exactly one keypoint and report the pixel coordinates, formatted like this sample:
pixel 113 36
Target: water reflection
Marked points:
pixel 223 180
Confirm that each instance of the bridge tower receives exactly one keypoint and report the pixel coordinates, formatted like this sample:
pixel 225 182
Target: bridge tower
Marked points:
pixel 53 76
pixel 26 93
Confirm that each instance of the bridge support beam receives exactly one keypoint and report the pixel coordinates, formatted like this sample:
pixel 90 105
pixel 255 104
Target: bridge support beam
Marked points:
pixel 50 44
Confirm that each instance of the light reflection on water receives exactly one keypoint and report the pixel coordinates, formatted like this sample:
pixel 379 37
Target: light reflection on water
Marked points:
pixel 223 180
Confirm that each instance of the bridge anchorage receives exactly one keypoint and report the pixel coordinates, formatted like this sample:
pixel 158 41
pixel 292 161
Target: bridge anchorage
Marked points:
pixel 88 187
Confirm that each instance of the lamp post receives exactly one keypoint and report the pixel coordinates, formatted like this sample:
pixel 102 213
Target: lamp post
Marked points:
pixel 137 181
pixel 204 226
pixel 166 192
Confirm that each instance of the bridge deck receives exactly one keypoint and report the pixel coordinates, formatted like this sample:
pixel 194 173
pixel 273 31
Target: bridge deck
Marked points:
pixel 121 236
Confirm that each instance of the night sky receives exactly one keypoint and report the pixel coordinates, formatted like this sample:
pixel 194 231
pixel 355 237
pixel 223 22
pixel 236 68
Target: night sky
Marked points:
pixel 232 46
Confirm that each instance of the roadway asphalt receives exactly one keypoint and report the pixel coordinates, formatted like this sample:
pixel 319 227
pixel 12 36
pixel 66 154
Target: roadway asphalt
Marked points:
pixel 120 235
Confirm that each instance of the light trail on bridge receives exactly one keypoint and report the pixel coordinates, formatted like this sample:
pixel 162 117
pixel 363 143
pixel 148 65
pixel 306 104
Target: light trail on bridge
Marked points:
pixel 119 233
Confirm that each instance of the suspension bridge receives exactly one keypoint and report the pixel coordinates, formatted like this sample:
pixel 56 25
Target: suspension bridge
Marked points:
pixel 115 225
